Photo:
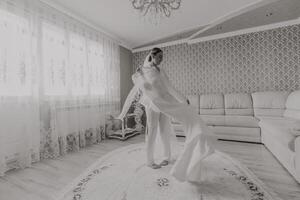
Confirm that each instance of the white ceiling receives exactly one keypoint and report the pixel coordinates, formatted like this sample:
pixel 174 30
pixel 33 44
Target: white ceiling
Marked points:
pixel 118 18
pixel 270 13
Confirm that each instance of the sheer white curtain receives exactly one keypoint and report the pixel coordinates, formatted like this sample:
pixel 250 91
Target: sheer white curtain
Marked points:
pixel 58 80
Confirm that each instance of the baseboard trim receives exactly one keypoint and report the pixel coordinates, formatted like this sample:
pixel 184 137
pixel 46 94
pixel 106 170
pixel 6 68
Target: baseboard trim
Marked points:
pixel 240 141
pixel 180 136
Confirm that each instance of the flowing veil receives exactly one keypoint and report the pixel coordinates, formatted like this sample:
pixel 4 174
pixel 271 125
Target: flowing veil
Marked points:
pixel 130 98
pixel 159 147
pixel 199 141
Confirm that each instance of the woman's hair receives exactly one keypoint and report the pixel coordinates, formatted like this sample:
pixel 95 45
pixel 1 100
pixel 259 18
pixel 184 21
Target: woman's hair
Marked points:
pixel 153 52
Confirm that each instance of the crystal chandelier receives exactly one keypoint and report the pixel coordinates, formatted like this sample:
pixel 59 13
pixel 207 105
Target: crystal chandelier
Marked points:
pixel 156 7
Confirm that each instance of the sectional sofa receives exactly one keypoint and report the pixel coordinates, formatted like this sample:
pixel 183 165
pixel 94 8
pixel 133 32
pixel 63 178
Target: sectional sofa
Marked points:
pixel 270 118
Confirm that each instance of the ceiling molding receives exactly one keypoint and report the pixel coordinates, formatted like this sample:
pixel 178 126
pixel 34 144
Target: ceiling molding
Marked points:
pixel 198 35
pixel 173 37
pixel 88 23
pixel 161 45
pixel 232 14
pixel 245 31
pixel 223 35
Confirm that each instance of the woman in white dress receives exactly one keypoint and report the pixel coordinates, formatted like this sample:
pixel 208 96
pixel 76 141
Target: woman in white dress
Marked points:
pixel 160 97
pixel 157 122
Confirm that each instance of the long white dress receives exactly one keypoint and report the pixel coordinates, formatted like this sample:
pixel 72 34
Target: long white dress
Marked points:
pixel 199 141
pixel 159 132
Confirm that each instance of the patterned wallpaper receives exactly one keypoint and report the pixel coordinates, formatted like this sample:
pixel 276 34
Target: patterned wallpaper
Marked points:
pixel 260 61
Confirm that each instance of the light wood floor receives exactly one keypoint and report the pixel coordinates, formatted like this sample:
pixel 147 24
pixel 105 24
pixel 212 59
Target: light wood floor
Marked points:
pixel 44 179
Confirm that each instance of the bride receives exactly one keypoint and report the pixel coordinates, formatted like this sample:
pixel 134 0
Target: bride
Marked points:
pixel 161 97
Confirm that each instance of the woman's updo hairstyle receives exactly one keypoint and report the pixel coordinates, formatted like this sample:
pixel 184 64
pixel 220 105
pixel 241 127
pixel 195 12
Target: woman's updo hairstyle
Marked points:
pixel 153 52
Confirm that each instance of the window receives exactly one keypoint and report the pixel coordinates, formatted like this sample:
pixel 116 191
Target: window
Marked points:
pixel 78 65
pixel 54 50
pixel 16 62
pixel 73 66
pixel 97 69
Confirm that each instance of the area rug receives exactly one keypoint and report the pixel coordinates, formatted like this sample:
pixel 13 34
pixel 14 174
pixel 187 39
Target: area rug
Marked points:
pixel 123 175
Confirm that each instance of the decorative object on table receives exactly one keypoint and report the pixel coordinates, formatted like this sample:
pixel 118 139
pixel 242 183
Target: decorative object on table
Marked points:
pixel 223 178
pixel 132 124
pixel 155 10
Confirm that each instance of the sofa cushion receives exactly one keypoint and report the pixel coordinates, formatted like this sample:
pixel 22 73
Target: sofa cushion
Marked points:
pixel 293 105
pixel 194 101
pixel 212 104
pixel 269 103
pixel 228 120
pixel 238 104
pixel 241 121
pixel 279 128
pixel 213 120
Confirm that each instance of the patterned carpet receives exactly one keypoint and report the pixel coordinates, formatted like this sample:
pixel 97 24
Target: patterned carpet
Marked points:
pixel 122 175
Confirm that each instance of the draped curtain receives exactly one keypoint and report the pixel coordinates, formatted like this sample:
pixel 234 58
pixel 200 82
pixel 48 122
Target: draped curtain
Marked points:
pixel 59 78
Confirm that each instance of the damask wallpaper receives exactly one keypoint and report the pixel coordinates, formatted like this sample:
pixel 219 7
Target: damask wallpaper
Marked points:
pixel 260 61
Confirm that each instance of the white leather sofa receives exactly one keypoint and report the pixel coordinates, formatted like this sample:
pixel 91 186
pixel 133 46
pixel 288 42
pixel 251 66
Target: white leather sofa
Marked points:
pixel 230 116
pixel 279 113
pixel 261 117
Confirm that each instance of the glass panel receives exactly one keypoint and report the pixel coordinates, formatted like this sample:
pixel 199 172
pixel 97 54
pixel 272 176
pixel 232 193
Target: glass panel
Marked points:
pixel 78 65
pixel 96 67
pixel 54 49
pixel 15 55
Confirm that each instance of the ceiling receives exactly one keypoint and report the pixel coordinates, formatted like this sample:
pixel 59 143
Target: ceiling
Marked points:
pixel 118 18
pixel 270 13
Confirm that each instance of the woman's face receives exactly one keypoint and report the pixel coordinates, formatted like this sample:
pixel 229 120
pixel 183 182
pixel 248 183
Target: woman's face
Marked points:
pixel 157 58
